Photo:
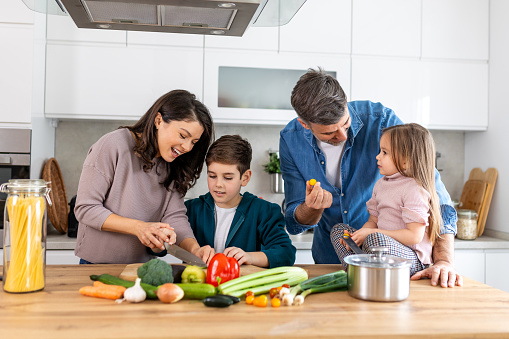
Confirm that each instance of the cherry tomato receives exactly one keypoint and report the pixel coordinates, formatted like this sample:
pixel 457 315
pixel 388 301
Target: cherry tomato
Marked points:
pixel 260 301
pixel 250 299
pixel 286 285
pixel 312 182
pixel 273 292
pixel 275 302
pixel 279 289
pixel 248 293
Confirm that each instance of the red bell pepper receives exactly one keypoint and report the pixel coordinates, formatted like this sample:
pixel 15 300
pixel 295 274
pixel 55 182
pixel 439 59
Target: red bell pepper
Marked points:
pixel 221 269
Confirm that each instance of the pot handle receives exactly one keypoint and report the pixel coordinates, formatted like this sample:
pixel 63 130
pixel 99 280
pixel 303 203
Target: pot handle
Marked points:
pixel 379 252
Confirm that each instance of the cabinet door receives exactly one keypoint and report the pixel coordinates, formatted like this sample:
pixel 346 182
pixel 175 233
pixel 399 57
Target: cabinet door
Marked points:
pixel 62 28
pixel 164 39
pixel 259 90
pixel 454 95
pixel 61 257
pixel 320 26
pixel 470 263
pixel 257 38
pixel 16 45
pixel 15 11
pixel 93 82
pixel 393 82
pixel 303 257
pixel 455 29
pixel 386 27
pixel 497 274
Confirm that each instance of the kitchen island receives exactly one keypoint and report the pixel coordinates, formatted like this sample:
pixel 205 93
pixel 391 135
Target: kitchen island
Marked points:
pixel 59 311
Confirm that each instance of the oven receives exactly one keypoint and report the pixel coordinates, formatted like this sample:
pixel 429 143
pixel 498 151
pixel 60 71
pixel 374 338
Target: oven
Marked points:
pixel 14 160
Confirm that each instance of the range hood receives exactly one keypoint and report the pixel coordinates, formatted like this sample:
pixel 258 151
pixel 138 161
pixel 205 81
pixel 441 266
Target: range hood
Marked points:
pixel 214 17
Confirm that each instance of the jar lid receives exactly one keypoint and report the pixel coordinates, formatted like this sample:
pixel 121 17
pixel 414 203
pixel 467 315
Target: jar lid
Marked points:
pixel 470 214
pixel 377 260
pixel 24 185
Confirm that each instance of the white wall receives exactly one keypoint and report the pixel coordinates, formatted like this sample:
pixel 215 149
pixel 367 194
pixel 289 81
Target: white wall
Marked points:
pixel 489 149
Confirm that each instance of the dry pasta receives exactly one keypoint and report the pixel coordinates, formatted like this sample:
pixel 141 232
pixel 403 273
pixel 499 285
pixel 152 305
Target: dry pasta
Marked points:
pixel 25 267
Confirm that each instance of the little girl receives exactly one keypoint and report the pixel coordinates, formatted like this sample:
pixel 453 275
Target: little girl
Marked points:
pixel 404 209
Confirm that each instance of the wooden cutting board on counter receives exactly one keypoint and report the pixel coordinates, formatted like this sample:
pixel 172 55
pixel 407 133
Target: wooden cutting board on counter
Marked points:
pixel 130 272
pixel 477 194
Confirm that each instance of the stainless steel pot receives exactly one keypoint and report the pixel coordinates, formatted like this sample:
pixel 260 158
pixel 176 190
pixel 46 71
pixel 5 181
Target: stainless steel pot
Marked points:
pixel 378 277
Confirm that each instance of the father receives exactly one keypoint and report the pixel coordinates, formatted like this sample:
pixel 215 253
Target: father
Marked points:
pixel 336 142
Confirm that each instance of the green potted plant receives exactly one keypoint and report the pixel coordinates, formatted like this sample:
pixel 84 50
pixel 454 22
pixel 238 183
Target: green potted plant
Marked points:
pixel 273 168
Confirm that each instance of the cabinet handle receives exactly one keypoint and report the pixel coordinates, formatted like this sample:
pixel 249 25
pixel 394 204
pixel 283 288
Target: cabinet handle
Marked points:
pixel 5 160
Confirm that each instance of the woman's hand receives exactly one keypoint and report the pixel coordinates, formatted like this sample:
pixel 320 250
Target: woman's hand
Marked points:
pixel 205 253
pixel 155 234
pixel 241 256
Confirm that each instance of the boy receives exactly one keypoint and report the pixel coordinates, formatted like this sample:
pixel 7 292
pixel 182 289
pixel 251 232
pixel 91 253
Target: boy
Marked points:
pixel 242 226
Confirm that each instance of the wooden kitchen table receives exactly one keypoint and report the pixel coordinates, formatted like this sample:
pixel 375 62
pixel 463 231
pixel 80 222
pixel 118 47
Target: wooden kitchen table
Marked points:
pixel 59 311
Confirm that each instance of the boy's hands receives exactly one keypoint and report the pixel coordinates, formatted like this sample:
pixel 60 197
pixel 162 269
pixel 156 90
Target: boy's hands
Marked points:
pixel 241 256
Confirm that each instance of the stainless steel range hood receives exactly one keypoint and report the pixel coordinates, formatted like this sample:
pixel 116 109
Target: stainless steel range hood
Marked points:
pixel 213 17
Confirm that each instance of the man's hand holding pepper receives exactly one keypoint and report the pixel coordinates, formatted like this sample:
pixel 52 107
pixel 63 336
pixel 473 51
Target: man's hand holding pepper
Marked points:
pixel 317 199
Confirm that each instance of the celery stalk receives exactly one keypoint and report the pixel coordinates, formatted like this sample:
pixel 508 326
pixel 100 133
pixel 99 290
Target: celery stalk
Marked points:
pixel 263 281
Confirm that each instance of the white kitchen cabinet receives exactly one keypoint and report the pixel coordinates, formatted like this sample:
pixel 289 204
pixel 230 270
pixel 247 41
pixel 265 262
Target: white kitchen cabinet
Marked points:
pixel 454 95
pixel 258 91
pixel 15 11
pixel 303 257
pixel 164 39
pixel 471 264
pixel 108 82
pixel 497 274
pixel 320 26
pixel 390 81
pixel 16 65
pixel 255 38
pixel 61 257
pixel 62 28
pixel 457 29
pixel 432 93
pixel 387 27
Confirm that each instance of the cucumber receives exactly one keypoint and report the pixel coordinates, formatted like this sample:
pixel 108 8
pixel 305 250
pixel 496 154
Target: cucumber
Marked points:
pixel 112 280
pixel 218 301
pixel 197 291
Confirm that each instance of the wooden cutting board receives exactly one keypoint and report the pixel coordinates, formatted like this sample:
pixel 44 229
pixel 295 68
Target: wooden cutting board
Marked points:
pixel 472 195
pixel 490 178
pixel 130 272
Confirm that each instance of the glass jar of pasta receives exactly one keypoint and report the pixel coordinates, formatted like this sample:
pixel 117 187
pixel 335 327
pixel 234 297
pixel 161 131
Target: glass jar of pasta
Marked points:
pixel 25 214
pixel 467 224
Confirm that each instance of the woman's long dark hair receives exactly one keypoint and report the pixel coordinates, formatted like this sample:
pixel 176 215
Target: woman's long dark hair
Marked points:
pixel 177 105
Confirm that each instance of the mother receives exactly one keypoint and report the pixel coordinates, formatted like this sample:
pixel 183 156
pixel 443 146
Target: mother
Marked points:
pixel 131 191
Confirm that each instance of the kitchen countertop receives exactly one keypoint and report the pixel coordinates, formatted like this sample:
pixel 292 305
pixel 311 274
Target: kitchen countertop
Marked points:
pixel 59 311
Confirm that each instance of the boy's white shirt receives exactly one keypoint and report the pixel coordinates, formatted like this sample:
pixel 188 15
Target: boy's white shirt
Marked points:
pixel 224 218
pixel 332 161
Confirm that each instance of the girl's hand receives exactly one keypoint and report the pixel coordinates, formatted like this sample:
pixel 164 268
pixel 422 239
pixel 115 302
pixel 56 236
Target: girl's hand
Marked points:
pixel 241 256
pixel 155 234
pixel 360 235
pixel 205 253
pixel 316 197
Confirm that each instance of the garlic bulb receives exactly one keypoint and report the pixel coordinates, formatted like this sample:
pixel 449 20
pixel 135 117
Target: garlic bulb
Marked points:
pixel 136 293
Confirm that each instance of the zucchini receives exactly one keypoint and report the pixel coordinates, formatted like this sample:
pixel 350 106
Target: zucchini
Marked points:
pixel 112 280
pixel 218 301
pixel 197 291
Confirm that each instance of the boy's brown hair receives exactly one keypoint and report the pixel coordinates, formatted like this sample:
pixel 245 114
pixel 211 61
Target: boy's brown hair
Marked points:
pixel 231 150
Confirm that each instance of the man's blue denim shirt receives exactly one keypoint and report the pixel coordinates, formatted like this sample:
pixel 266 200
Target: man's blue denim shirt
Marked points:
pixel 302 160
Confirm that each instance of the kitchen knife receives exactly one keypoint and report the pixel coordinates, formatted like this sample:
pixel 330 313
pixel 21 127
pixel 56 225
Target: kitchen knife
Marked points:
pixel 353 246
pixel 185 256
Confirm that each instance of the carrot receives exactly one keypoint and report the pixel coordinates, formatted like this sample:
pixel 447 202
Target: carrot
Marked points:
pixel 119 289
pixel 100 292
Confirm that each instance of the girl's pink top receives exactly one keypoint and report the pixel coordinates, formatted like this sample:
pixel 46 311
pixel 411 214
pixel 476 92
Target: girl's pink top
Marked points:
pixel 398 200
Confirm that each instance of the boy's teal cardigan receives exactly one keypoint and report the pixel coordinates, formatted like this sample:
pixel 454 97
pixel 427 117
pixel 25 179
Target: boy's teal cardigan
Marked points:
pixel 258 225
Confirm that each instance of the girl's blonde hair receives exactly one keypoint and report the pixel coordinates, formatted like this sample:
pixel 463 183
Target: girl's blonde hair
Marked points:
pixel 413 144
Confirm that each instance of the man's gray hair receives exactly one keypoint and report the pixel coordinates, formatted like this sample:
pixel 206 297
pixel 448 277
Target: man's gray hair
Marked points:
pixel 318 98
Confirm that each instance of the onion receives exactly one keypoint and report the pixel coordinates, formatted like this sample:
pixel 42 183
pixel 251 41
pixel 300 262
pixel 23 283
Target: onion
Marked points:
pixel 170 293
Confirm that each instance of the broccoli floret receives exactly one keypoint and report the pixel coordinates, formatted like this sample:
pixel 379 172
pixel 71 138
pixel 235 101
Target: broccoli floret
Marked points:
pixel 155 272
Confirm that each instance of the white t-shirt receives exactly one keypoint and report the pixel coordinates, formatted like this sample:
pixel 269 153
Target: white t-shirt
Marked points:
pixel 332 161
pixel 224 218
